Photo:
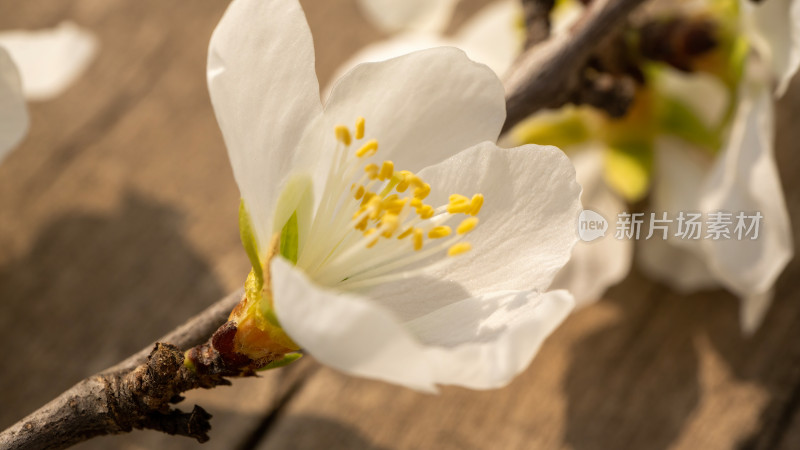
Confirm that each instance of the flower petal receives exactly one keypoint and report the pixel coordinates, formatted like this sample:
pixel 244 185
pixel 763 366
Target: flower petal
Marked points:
pixel 492 36
pixel 13 111
pixel 265 92
pixel 418 15
pixel 393 47
pixel 527 227
pixel 745 179
pixel 50 60
pixel 348 332
pixel 422 107
pixel 596 265
pixel 681 169
pixel 483 342
pixel 777 36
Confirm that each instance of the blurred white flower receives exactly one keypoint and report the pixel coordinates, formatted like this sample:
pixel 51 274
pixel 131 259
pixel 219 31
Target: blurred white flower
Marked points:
pixel 392 16
pixel 741 177
pixel 384 271
pixel 49 60
pixel 37 65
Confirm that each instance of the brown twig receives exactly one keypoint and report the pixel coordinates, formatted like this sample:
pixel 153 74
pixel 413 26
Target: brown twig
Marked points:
pixel 537 20
pixel 550 74
pixel 137 392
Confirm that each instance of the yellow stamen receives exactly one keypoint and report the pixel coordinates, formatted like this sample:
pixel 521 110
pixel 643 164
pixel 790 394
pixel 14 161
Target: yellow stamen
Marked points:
pixel 390 222
pixel 367 197
pixel 467 225
pixel 415 203
pixel 458 205
pixel 425 211
pixel 360 192
pixel 457 249
pixel 343 134
pixel 369 149
pixel 372 171
pixel 417 239
pixel 423 191
pixel 387 170
pixel 406 233
pixel 476 204
pixel 360 128
pixel 362 224
pixel 439 232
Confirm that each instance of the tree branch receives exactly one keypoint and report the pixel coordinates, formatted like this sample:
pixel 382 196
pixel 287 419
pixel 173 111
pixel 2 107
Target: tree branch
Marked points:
pixel 137 392
pixel 550 74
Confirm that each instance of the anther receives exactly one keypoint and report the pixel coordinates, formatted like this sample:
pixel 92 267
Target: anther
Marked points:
pixel 343 134
pixel 417 239
pixel 457 249
pixel 360 128
pixel 467 225
pixel 369 149
pixel 439 232
pixel 387 169
pixel 476 204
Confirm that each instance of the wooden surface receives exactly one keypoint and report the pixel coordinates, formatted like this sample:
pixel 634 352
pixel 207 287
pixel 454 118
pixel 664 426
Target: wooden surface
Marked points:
pixel 118 221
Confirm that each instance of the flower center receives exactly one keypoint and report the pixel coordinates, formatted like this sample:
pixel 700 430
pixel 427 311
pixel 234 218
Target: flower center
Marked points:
pixel 372 224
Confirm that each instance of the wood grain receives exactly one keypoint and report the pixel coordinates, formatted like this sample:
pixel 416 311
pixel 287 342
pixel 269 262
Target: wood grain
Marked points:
pixel 118 221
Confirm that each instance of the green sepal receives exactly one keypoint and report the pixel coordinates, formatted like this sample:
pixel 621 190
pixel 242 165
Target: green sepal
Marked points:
pixel 250 244
pixel 290 239
pixel 283 362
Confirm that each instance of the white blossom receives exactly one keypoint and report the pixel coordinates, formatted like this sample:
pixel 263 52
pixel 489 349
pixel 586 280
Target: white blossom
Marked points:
pixel 373 202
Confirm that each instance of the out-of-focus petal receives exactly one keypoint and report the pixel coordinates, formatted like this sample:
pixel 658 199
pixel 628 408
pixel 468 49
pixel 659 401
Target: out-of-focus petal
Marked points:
pixel 418 15
pixel 50 60
pixel 599 264
pixel 745 180
pixel 492 35
pixel 775 33
pixel 13 111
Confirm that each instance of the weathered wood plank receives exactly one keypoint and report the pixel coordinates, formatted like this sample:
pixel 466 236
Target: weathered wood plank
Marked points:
pixel 116 223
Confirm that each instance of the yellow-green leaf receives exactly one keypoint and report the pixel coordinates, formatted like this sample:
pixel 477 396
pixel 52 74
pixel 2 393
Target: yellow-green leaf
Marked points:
pixel 628 167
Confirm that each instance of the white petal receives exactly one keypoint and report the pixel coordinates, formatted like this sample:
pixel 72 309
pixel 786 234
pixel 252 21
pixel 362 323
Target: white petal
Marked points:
pixel 50 60
pixel 265 92
pixel 418 15
pixel 348 332
pixel 753 309
pixel 491 35
pixel 527 227
pixel 393 47
pixel 680 169
pixel 599 264
pixel 13 111
pixel 745 179
pixel 482 343
pixel 422 107
pixel 776 35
